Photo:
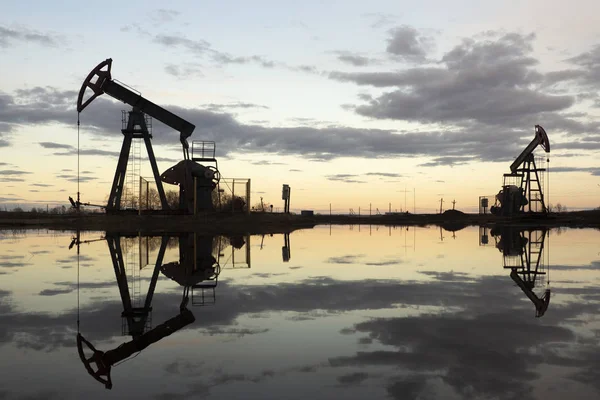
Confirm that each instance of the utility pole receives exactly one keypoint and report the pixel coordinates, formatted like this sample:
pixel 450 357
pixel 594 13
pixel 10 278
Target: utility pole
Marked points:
pixel 441 202
pixel 453 203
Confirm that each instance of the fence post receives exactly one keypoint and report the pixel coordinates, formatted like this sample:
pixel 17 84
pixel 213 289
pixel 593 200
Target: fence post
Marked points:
pixel 248 197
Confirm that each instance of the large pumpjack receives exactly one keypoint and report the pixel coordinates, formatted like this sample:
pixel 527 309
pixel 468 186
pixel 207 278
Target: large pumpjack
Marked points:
pixel 522 189
pixel 196 181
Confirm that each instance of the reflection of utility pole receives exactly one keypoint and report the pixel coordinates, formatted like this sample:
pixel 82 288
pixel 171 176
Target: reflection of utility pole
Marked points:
pixel 453 203
pixel 441 203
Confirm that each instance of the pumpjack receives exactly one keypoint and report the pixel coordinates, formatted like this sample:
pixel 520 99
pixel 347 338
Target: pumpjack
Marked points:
pixel 202 275
pixel 522 252
pixel 522 189
pixel 188 174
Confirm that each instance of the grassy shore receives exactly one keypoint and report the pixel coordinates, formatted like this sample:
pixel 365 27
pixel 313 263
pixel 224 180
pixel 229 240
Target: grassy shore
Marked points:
pixel 257 223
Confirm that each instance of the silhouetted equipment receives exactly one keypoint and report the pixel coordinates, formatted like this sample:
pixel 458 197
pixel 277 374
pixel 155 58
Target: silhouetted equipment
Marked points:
pixel 196 184
pixel 77 204
pixel 285 196
pixel 285 250
pixel 135 126
pixel 196 265
pixel 522 252
pixel 522 189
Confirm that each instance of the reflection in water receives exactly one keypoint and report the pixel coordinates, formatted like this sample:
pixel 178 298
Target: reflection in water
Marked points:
pixel 523 254
pixel 197 269
pixel 285 250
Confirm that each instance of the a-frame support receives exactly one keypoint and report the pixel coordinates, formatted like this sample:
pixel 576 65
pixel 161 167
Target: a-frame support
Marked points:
pixel 136 316
pixel 532 186
pixel 136 129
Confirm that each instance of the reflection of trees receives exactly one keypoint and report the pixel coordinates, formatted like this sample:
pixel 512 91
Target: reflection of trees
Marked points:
pixel 132 243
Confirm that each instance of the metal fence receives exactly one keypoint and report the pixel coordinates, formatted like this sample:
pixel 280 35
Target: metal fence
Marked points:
pixel 233 195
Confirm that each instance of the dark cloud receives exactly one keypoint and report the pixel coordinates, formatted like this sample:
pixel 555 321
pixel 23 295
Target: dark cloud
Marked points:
pixel 53 145
pixel 54 292
pixel 295 170
pixel 41 184
pixel 15 36
pixel 408 44
pixel 491 84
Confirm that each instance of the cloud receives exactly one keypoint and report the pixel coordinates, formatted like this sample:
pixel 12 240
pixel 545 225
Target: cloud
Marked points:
pixel 352 379
pixel 14 36
pixel 346 178
pixel 490 83
pixel 163 15
pixel 203 48
pixel 221 107
pixel 265 162
pixel 353 59
pixel 11 179
pixel 384 263
pixel 594 171
pixel 53 145
pixel 348 259
pixel 41 184
pixel 13 172
pixel 381 19
pixel 448 161
pixel 48 105
pixel 186 71
pixel 384 174
pixel 408 44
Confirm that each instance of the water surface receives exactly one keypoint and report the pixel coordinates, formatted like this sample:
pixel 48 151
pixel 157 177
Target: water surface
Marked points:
pixel 332 312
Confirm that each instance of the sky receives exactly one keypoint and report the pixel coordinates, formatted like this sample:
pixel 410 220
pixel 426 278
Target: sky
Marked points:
pixel 380 104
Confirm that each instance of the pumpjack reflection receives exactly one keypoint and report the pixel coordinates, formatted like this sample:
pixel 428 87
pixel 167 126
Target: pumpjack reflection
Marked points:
pixel 523 254
pixel 197 268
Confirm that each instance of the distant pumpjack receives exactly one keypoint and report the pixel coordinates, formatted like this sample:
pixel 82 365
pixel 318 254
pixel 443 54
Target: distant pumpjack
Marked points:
pixel 523 187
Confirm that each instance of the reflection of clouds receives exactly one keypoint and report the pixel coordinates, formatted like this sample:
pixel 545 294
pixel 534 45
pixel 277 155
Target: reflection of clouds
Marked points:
pixel 483 354
pixel 384 263
pixel 73 259
pixel 490 347
pixel 354 378
pixel 13 264
pixel 449 276
pixel 348 259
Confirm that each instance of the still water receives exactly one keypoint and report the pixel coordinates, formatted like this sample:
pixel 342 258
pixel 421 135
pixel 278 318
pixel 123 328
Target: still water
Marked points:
pixel 332 312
